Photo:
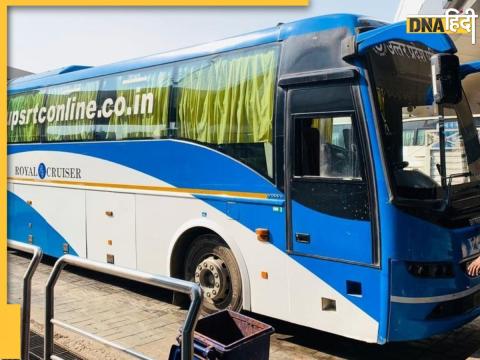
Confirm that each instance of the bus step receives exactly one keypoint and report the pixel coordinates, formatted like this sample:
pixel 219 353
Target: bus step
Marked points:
pixel 36 349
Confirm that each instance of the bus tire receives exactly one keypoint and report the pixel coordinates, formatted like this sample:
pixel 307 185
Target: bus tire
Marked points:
pixel 211 264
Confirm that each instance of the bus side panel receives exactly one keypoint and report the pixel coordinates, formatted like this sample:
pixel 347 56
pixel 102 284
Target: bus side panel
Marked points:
pixel 11 210
pixel 157 220
pixel 19 218
pixel 161 220
pixel 64 208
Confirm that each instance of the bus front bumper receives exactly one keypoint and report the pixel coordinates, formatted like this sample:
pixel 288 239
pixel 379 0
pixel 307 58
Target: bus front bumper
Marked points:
pixel 423 307
pixel 414 321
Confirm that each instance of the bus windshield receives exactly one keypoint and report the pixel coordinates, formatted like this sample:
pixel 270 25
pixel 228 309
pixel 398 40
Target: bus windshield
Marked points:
pixel 409 125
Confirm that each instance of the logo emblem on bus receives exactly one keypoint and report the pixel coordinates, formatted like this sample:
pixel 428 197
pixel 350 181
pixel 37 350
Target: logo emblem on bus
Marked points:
pixel 42 170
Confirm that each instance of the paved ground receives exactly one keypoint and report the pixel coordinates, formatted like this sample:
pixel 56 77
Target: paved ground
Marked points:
pixel 140 317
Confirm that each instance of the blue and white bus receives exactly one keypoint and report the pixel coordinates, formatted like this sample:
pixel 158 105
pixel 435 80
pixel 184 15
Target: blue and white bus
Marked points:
pixel 266 167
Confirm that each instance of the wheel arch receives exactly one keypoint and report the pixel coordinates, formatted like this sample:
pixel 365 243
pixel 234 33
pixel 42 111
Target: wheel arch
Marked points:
pixel 187 234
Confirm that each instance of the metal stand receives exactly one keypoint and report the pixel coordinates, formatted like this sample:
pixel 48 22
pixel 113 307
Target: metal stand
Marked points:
pixel 165 282
pixel 27 291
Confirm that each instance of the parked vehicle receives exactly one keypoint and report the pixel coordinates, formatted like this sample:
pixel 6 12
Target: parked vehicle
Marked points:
pixel 270 168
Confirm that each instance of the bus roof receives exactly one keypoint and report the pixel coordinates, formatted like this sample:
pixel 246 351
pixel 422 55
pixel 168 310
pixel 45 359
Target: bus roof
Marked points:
pixel 271 35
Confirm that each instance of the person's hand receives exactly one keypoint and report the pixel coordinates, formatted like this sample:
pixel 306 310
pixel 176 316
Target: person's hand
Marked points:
pixel 474 267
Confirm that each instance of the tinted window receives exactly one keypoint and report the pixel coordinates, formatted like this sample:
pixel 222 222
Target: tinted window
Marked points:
pixel 70 111
pixel 420 137
pixel 130 105
pixel 326 146
pixel 135 105
pixel 227 102
pixel 23 120
pixel 408 137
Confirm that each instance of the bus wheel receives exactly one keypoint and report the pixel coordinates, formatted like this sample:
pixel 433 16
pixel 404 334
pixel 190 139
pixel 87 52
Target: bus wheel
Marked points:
pixel 210 263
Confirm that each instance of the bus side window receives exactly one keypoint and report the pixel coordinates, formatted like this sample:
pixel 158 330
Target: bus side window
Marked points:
pixel 226 102
pixel 26 131
pixel 67 115
pixel 420 137
pixel 134 105
pixel 107 91
pixel 408 137
pixel 326 147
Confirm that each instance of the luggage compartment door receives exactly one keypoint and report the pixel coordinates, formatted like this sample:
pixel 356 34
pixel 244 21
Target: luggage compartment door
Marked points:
pixel 111 228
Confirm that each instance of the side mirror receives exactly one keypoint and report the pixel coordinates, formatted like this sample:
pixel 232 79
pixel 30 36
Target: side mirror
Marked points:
pixel 446 81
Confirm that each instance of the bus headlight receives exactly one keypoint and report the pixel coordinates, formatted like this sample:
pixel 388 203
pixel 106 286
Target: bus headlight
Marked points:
pixel 430 270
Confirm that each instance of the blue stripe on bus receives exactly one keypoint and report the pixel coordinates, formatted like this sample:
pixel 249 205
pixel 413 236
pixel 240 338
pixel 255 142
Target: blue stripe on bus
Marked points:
pixel 179 163
pixel 20 215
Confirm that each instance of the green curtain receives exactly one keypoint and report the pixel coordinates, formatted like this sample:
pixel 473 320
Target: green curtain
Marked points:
pixel 408 137
pixel 142 125
pixel 78 128
pixel 28 132
pixel 229 99
pixel 420 137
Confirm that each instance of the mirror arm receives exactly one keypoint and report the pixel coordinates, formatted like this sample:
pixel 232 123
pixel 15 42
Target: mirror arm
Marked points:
pixel 441 134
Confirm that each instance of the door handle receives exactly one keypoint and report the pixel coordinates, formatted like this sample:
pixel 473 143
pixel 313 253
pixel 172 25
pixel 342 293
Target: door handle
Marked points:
pixel 302 238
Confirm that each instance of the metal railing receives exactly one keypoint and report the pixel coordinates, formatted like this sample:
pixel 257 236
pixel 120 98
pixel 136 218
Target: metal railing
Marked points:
pixel 27 291
pixel 165 282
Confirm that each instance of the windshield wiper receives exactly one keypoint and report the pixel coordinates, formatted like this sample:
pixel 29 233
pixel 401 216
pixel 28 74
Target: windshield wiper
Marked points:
pixel 448 188
pixel 442 168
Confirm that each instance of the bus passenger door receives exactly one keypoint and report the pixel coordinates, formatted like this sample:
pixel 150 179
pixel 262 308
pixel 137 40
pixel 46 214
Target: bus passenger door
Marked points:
pixel 328 209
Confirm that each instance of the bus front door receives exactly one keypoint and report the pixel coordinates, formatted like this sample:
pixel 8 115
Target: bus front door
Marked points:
pixel 328 212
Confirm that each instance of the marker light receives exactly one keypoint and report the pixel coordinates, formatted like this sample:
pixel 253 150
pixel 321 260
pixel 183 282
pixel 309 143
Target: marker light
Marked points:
pixel 262 234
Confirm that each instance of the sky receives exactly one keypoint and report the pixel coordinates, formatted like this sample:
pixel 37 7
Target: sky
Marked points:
pixel 46 38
